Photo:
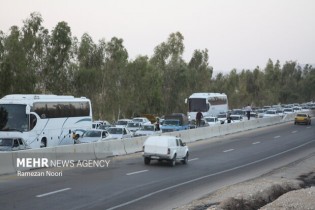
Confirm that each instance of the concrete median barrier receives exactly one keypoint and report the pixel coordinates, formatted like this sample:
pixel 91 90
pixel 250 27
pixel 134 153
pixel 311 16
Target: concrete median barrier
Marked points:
pixel 102 150
pixel 115 146
pixel 75 152
pixel 134 144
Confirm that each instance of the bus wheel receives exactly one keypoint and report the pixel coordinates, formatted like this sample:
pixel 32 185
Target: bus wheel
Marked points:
pixel 43 143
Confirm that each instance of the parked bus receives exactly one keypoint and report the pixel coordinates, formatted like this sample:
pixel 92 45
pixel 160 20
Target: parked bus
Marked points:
pixel 209 104
pixel 43 120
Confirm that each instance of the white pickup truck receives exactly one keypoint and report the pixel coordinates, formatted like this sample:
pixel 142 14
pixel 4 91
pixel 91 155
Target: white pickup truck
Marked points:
pixel 169 148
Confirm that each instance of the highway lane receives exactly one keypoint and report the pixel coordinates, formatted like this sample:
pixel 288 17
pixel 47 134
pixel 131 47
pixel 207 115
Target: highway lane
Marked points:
pixel 129 184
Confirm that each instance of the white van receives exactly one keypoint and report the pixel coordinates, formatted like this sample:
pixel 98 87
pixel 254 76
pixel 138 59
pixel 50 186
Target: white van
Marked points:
pixel 169 148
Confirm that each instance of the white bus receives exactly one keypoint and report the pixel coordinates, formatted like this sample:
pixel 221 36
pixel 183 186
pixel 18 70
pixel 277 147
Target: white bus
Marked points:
pixel 43 120
pixel 209 104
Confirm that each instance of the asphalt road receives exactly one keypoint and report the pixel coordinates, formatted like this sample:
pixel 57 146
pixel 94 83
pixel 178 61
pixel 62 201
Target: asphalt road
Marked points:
pixel 129 184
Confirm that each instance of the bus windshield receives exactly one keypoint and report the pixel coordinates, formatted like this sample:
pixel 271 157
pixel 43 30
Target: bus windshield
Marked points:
pixel 13 117
pixel 198 104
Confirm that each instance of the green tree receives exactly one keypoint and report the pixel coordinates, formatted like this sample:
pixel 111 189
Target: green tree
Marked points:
pixel 308 84
pixel 116 61
pixel 290 76
pixel 199 72
pixel 14 69
pixel 168 61
pixel 58 77
pixel 34 42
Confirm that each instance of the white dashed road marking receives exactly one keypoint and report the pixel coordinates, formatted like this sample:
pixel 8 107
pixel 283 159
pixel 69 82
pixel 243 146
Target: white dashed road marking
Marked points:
pixel 257 142
pixel 276 137
pixel 137 172
pixel 54 192
pixel 229 150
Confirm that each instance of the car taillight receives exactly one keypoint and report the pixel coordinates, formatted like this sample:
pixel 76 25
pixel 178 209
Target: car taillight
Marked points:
pixel 168 151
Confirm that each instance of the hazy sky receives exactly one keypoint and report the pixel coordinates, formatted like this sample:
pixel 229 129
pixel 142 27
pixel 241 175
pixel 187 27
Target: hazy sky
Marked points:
pixel 239 34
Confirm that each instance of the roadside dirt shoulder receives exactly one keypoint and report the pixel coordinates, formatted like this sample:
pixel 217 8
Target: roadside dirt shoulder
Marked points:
pixel 289 187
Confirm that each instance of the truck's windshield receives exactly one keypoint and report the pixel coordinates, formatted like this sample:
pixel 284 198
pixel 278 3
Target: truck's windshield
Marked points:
pixel 13 117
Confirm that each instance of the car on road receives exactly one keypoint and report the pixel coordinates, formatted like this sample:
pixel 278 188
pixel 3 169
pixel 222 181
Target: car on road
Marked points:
pixel 168 148
pixel 236 118
pixel 133 126
pixel 212 121
pixel 270 113
pixel 147 130
pixel 221 117
pixel 302 118
pixel 94 135
pixel 288 111
pixel 100 124
pixel 280 112
pixel 297 109
pixel 142 120
pixel 261 112
pixel 13 144
pixel 238 112
pixel 122 123
pixel 305 109
pixel 119 133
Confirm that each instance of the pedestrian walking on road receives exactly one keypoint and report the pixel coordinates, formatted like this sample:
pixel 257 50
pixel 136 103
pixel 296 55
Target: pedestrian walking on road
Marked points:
pixel 248 109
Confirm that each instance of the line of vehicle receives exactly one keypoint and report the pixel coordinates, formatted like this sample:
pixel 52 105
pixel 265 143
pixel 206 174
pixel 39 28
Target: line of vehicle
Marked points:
pixel 53 192
pixel 136 172
pixel 207 176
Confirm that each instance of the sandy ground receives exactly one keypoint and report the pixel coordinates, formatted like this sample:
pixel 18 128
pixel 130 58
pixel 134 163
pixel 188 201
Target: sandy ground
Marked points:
pixel 289 187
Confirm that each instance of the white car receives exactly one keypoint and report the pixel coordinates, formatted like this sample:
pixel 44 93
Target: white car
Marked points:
pixel 280 112
pixel 122 123
pixel 133 126
pixel 270 113
pixel 99 124
pixel 94 135
pixel 297 109
pixel 142 120
pixel 305 109
pixel 119 133
pixel 288 111
pixel 261 112
pixel 147 130
pixel 169 148
pixel 212 120
pixel 221 117
pixel 235 118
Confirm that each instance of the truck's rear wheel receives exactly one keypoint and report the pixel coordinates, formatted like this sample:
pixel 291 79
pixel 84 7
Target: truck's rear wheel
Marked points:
pixel 147 161
pixel 173 161
pixel 185 160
